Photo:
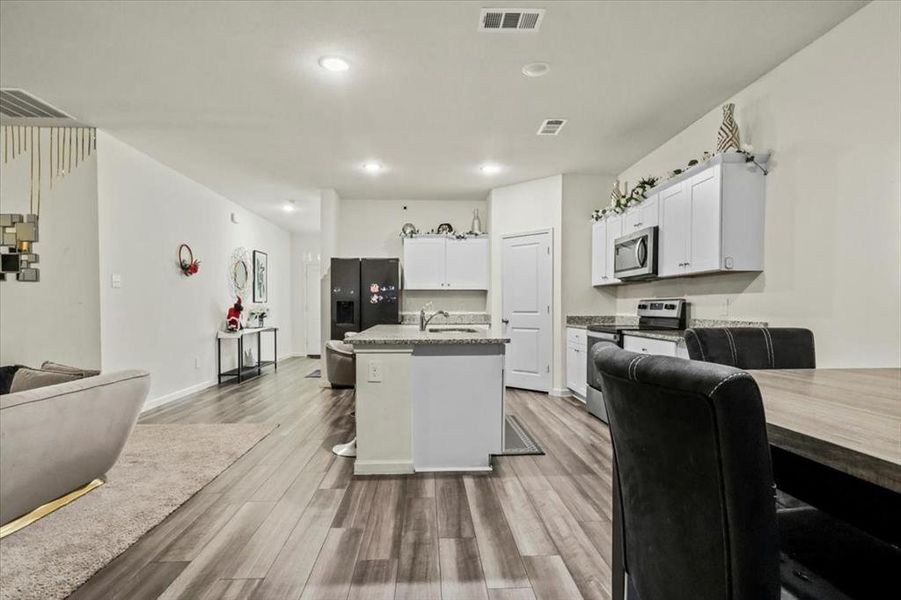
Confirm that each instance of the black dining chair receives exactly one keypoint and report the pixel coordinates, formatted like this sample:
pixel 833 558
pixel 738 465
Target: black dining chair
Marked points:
pixel 695 482
pixel 753 347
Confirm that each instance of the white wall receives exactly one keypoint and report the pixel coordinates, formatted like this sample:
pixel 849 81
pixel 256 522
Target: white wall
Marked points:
pixel 523 207
pixel 581 195
pixel 329 212
pixel 371 228
pixel 160 320
pixel 830 115
pixel 57 318
pixel 305 251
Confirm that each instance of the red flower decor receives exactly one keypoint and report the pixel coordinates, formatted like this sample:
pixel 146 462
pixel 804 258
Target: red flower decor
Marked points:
pixel 186 261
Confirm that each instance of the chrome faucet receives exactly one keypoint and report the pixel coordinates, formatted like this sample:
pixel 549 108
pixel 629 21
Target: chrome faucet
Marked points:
pixel 423 321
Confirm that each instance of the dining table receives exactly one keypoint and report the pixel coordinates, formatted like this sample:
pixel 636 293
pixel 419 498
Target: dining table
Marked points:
pixel 835 438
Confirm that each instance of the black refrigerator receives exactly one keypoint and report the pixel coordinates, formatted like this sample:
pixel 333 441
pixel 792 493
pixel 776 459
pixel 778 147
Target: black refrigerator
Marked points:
pixel 365 292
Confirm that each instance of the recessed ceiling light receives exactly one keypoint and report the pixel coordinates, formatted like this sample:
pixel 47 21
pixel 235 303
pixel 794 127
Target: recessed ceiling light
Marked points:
pixel 536 69
pixel 334 64
pixel 290 206
pixel 490 168
pixel 372 167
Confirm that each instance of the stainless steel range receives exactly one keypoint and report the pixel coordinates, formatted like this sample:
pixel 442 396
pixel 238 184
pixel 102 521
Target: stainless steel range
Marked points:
pixel 656 314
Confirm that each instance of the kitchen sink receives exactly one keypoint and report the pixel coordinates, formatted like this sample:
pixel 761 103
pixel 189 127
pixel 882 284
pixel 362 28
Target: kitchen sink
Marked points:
pixel 453 330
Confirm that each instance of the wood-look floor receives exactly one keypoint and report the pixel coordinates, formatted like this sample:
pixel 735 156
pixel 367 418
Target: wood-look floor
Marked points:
pixel 289 520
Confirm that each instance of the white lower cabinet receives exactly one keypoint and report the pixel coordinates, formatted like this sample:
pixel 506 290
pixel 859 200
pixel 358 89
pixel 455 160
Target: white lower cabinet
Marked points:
pixel 643 345
pixel 576 361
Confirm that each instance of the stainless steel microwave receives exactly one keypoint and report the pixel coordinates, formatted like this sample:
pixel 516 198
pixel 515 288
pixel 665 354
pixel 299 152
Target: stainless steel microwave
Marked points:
pixel 635 255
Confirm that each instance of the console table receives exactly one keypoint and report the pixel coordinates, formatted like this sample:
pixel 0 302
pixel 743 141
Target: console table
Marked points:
pixel 243 372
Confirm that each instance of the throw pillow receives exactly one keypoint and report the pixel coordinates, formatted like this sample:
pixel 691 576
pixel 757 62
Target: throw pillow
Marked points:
pixel 6 377
pixel 29 379
pixel 61 368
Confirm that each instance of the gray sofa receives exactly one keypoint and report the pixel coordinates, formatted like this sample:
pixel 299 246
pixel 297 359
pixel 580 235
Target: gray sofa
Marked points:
pixel 58 438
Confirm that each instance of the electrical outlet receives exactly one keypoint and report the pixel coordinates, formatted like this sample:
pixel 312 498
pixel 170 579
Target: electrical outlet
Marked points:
pixel 196 362
pixel 375 371
pixel 116 280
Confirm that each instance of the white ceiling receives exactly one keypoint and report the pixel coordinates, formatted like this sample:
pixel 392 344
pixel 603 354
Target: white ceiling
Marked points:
pixel 230 93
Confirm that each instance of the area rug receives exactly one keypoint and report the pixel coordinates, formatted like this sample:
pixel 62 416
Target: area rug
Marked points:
pixel 517 439
pixel 161 467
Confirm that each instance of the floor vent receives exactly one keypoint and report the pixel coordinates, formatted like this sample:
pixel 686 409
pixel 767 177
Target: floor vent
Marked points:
pixel 19 104
pixel 510 19
pixel 551 126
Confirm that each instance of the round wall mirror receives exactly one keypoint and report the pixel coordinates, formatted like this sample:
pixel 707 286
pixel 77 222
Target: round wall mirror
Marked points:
pixel 239 273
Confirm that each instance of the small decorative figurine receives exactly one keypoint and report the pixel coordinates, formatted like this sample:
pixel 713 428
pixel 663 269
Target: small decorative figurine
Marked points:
pixel 233 317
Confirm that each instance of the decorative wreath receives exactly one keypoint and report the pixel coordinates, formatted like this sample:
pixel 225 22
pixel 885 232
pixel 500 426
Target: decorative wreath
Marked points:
pixel 186 261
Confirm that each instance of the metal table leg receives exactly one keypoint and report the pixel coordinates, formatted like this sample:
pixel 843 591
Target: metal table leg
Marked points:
pixel 259 353
pixel 219 358
pixel 275 349
pixel 240 358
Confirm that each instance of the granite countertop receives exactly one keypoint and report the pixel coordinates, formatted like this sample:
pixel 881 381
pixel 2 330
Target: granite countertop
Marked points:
pixel 454 318
pixel 674 335
pixel 409 335
pixel 671 335
pixel 583 321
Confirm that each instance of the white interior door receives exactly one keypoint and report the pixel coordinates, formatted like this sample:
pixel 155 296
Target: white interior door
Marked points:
pixel 312 303
pixel 526 292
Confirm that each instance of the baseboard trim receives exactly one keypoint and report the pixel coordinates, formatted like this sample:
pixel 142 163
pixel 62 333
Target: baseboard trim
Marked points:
pixel 489 468
pixel 176 395
pixel 378 467
pixel 560 392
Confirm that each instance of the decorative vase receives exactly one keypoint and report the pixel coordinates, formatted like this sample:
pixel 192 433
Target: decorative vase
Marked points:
pixel 728 137
pixel 616 193
pixel 476 222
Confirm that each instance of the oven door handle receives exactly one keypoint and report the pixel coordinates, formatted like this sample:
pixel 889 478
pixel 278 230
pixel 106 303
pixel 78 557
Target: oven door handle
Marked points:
pixel 641 252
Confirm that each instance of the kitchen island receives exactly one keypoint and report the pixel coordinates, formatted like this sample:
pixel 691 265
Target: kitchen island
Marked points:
pixel 428 400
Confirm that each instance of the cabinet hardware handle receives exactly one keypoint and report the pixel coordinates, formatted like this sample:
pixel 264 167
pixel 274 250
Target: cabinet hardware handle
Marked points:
pixel 505 321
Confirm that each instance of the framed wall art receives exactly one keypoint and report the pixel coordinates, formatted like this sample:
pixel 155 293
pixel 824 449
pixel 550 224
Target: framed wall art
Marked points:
pixel 260 276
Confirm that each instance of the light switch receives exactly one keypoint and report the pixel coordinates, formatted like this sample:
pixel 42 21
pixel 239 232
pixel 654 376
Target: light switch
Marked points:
pixel 116 280
pixel 375 371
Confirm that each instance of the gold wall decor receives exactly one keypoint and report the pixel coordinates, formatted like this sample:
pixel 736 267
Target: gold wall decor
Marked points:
pixel 67 148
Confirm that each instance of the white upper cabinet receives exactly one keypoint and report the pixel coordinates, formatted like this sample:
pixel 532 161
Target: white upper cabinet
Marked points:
pixel 441 263
pixel 466 264
pixel 424 263
pixel 704 245
pixel 675 228
pixel 599 253
pixel 710 219
pixel 614 230
pixel 603 236
pixel 641 216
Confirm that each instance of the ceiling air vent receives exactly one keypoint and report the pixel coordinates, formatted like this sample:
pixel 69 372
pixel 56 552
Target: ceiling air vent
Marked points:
pixel 21 107
pixel 551 126
pixel 510 19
